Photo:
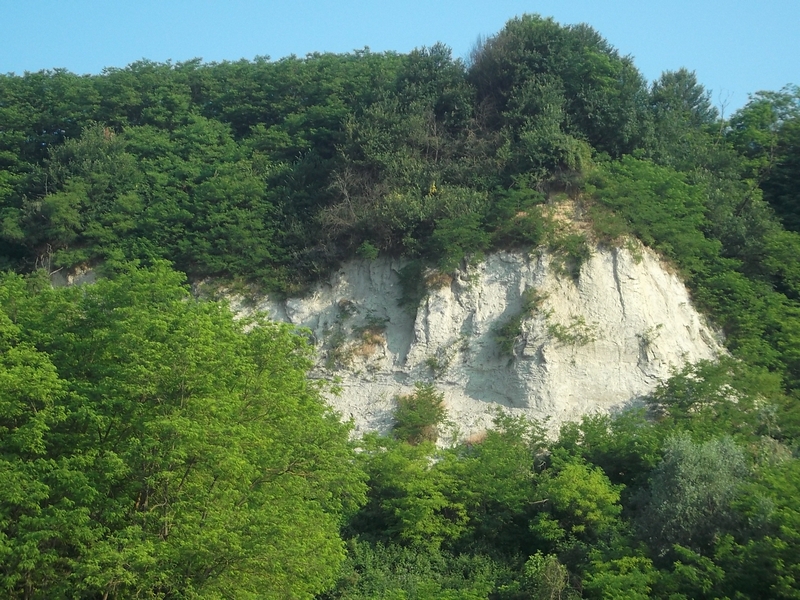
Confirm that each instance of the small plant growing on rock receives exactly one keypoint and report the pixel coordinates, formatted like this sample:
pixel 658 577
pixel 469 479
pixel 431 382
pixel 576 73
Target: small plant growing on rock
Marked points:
pixel 346 308
pixel 571 251
pixel 368 251
pixel 432 362
pixel 418 415
pixel 650 335
pixel 635 250
pixel 336 353
pixel 370 336
pixel 508 332
pixel 372 328
pixel 370 340
pixel 435 279
pixel 438 364
pixel 576 333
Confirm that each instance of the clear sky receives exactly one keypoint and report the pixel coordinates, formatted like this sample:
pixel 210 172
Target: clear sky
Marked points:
pixel 736 47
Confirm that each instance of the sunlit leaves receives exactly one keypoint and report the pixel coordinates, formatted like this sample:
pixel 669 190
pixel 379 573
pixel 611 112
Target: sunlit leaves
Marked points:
pixel 158 447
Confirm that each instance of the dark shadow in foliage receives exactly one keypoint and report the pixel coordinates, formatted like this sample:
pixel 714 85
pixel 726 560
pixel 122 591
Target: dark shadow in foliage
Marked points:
pixel 412 285
pixel 626 446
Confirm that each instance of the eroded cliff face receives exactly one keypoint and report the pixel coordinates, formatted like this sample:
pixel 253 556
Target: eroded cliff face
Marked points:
pixel 572 346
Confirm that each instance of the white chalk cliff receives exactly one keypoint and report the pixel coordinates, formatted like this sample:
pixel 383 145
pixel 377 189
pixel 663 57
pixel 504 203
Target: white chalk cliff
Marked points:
pixel 591 344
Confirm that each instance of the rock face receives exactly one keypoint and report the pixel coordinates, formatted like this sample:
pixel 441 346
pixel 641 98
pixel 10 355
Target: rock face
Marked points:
pixel 76 276
pixel 509 332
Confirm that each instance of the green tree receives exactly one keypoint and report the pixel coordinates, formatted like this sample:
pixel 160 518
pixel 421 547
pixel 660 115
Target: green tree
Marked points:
pixel 603 95
pixel 780 184
pixel 395 572
pixel 755 130
pixel 579 506
pixel 626 446
pixel 412 499
pixel 690 499
pixel 630 577
pixel 683 120
pixel 171 448
pixel 418 415
pixel 548 578
pixel 725 397
pixel 761 559
pixel 90 200
pixel 498 484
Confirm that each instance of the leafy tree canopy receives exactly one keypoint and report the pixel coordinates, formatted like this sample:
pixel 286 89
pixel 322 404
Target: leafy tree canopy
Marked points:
pixel 152 447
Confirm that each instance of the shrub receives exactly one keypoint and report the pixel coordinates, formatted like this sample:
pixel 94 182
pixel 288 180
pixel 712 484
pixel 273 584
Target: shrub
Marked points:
pixel 367 251
pixel 455 238
pixel 577 333
pixel 506 334
pixel 418 415
pixel 571 251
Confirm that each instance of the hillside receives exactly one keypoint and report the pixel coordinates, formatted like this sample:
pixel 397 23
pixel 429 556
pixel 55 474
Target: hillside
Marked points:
pixel 536 227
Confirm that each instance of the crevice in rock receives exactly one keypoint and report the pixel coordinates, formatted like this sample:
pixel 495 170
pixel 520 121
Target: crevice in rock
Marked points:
pixel 617 283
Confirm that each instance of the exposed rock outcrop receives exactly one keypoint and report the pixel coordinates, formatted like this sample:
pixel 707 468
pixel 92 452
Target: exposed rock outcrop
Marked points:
pixel 76 276
pixel 508 332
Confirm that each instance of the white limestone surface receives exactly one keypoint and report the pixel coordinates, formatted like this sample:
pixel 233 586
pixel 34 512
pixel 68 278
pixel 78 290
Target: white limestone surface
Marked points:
pixel 80 275
pixel 592 344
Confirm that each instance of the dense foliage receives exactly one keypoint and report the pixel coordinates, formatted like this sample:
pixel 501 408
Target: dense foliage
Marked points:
pixel 151 446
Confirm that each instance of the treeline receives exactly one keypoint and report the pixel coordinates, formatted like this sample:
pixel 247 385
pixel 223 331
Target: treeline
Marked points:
pixel 275 171
pixel 150 447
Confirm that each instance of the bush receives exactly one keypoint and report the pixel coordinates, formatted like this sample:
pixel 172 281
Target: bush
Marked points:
pixel 571 251
pixel 367 251
pixel 418 415
pixel 515 218
pixel 507 333
pixel 455 238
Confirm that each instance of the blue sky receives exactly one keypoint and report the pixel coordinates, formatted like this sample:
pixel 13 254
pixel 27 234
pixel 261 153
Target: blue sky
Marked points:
pixel 736 47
